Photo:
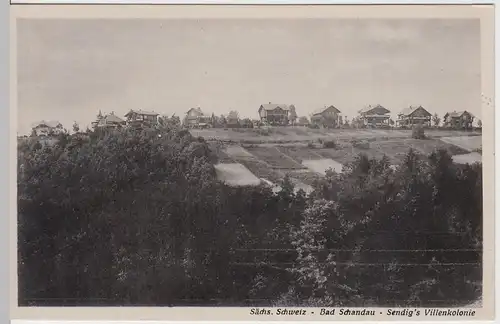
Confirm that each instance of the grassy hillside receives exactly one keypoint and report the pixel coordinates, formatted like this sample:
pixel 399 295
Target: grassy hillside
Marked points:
pixel 270 157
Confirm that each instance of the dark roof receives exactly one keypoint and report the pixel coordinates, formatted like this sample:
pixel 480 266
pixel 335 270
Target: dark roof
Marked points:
pixel 458 113
pixel 232 115
pixel 271 106
pixel 141 112
pixel 48 123
pixel 409 110
pixel 321 110
pixel 198 110
pixel 112 118
pixel 370 107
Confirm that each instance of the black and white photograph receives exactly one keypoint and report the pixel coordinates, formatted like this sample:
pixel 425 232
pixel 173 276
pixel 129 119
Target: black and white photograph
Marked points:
pixel 250 162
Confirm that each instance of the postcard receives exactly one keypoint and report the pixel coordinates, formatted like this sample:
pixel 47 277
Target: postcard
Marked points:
pixel 252 162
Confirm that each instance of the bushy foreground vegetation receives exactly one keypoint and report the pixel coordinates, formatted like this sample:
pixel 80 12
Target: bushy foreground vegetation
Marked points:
pixel 137 217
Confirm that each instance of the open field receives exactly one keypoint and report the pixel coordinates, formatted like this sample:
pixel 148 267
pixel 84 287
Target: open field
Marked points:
pixel 302 134
pixel 262 170
pixel 235 174
pixel 274 157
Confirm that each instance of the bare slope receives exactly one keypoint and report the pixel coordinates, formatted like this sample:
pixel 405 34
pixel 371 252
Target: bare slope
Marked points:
pixel 306 162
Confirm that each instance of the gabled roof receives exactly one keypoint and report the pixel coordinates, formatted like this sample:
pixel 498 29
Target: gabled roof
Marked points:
pixel 198 110
pixel 370 108
pixel 271 106
pixel 411 109
pixel 141 112
pixel 321 110
pixel 112 118
pixel 457 113
pixel 232 115
pixel 48 123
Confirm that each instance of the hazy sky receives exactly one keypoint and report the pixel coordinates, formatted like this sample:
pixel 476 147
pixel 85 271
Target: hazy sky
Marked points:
pixel 69 69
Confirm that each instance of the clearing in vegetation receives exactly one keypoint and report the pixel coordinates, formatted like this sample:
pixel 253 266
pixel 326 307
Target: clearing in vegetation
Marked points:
pixel 305 163
pixel 235 174
pixel 236 151
pixel 274 158
pixel 262 170
pixel 299 153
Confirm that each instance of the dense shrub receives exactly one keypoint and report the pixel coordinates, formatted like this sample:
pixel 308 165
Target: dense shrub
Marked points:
pixel 330 144
pixel 361 144
pixel 372 211
pixel 138 217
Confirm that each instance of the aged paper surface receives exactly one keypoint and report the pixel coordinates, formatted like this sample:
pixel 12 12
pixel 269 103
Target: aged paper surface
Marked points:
pixel 282 96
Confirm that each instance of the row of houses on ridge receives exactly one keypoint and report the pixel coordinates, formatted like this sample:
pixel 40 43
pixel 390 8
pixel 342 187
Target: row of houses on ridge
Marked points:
pixel 275 115
pixel 370 116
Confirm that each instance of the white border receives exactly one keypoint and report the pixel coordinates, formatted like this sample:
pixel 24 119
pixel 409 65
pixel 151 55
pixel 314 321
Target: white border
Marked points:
pixel 282 2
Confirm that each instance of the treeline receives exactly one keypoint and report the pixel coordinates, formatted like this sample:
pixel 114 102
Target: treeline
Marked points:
pixel 138 217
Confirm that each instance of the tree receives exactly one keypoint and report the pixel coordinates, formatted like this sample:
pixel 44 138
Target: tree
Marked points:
pixel 233 119
pixel 165 121
pixel 175 120
pixel 418 132
pixel 436 120
pixel 76 128
pixel 357 122
pixel 233 114
pixel 247 123
pixel 303 120
pixel 222 121
pixel 292 117
pixel 466 121
pixel 213 120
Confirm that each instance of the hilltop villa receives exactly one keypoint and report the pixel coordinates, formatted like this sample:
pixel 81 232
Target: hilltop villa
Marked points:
pixel 195 118
pixel 275 114
pixel 141 118
pixel 458 119
pixel 108 121
pixel 414 115
pixel 327 117
pixel 374 116
pixel 46 128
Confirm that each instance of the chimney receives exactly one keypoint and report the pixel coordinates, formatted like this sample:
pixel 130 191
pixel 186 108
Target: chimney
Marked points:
pixel 269 102
pixel 112 113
